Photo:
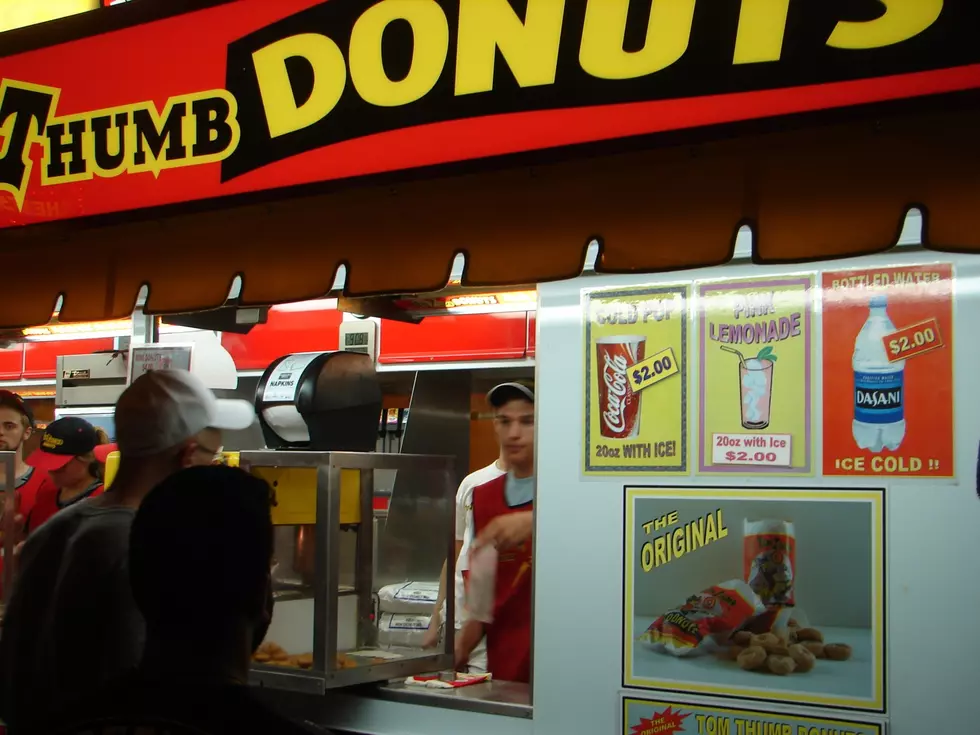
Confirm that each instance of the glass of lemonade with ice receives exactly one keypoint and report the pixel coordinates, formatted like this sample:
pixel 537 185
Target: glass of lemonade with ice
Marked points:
pixel 755 388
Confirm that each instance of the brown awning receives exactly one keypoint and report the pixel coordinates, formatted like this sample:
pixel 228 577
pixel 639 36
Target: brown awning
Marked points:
pixel 814 194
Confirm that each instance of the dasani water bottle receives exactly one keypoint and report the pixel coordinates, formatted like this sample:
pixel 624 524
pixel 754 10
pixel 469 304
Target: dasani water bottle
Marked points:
pixel 879 385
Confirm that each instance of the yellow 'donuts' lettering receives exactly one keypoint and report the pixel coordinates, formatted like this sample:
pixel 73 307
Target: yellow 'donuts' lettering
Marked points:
pixel 601 54
pixel 529 48
pixel 282 114
pixel 761 27
pixel 903 19
pixel 430 49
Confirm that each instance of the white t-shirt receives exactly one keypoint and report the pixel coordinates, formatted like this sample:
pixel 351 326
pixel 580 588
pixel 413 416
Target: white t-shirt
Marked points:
pixel 464 532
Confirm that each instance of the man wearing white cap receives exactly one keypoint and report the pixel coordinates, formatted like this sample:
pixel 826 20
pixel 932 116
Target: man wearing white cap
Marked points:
pixel 502 515
pixel 71 624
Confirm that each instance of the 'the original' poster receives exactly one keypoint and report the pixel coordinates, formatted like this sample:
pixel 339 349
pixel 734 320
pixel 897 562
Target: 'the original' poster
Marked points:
pixel 636 380
pixel 888 371
pixel 755 363
pixel 652 717
pixel 774 594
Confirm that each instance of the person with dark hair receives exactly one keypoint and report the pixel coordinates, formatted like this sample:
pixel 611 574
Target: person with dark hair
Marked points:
pixel 71 624
pixel 502 515
pixel 73 454
pixel 200 555
pixel 16 427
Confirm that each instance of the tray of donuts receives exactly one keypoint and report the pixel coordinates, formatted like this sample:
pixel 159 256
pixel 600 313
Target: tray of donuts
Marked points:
pixel 272 654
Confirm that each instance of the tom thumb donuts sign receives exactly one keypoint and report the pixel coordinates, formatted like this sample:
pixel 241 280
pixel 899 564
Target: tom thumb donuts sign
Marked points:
pixel 265 95
pixel 657 717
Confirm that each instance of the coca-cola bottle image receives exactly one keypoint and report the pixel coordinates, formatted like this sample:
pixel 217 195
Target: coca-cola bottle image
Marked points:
pixel 619 406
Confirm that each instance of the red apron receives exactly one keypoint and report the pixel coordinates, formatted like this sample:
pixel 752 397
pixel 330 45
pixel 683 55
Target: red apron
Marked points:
pixel 509 635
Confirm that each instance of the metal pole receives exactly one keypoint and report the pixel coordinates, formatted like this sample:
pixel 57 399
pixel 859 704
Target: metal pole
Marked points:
pixel 146 328
pixel 8 465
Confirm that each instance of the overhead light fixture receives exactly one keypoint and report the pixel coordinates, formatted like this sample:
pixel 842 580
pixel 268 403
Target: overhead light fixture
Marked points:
pixel 75 330
pixel 469 303
pixel 312 305
pixel 55 331
pixel 36 393
pixel 520 300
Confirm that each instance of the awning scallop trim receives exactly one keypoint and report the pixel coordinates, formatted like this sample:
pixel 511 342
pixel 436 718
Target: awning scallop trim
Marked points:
pixel 809 195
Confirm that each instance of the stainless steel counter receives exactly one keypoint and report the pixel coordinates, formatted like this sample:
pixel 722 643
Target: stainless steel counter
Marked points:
pixel 493 697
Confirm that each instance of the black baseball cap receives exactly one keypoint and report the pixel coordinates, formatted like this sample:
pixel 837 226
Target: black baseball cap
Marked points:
pixel 9 399
pixel 501 394
pixel 65 439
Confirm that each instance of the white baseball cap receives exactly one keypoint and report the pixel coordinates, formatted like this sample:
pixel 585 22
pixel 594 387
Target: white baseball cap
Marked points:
pixel 500 394
pixel 163 408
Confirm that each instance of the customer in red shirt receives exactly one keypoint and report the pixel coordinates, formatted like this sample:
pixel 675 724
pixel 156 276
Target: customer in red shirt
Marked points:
pixel 73 453
pixel 16 427
pixel 502 514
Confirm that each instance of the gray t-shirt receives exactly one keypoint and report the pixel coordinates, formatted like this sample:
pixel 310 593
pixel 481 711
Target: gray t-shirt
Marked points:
pixel 519 490
pixel 71 625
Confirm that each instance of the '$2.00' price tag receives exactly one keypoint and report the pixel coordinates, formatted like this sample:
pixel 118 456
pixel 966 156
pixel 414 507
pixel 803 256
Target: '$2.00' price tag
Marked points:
pixel 652 370
pixel 916 339
pixel 761 450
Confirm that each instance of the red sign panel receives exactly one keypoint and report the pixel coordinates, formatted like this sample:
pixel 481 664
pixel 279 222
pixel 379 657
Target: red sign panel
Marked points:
pixel 255 95
pixel 451 338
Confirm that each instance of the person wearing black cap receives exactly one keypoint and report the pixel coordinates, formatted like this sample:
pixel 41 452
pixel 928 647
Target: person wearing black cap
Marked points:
pixel 73 454
pixel 201 629
pixel 16 427
pixel 503 515
pixel 71 624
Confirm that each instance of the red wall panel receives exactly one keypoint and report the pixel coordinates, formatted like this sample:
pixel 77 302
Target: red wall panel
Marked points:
pixel 451 338
pixel 285 332
pixel 532 333
pixel 12 362
pixel 40 358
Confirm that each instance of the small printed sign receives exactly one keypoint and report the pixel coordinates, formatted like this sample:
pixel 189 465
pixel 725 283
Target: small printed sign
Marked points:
pixel 655 717
pixel 913 340
pixel 654 369
pixel 762 450
pixel 284 379
pixel 144 358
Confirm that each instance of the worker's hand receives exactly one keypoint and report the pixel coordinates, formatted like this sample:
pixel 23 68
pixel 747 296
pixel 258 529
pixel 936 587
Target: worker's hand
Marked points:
pixel 507 531
pixel 20 533
pixel 467 639
pixel 431 637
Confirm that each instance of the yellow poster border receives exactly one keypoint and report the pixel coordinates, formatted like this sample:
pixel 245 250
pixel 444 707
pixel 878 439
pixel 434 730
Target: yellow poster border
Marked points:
pixel 687 290
pixel 876 498
pixel 796 718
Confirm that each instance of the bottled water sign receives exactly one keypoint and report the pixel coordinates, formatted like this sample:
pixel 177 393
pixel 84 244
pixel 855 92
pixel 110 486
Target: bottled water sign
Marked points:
pixel 879 385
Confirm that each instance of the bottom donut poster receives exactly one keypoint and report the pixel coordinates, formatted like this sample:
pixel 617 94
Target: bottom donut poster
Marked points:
pixel 772 594
pixel 650 717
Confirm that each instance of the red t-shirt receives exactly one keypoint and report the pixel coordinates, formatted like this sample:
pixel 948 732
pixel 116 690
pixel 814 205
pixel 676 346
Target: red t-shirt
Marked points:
pixel 509 635
pixel 29 488
pixel 33 484
pixel 48 502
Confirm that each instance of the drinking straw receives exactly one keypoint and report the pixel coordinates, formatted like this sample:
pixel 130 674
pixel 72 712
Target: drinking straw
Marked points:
pixel 741 357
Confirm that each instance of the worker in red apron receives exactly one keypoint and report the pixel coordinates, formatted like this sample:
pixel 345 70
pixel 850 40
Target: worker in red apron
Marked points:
pixel 72 453
pixel 503 515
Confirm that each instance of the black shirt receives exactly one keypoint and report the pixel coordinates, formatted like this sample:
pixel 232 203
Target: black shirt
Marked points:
pixel 209 709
